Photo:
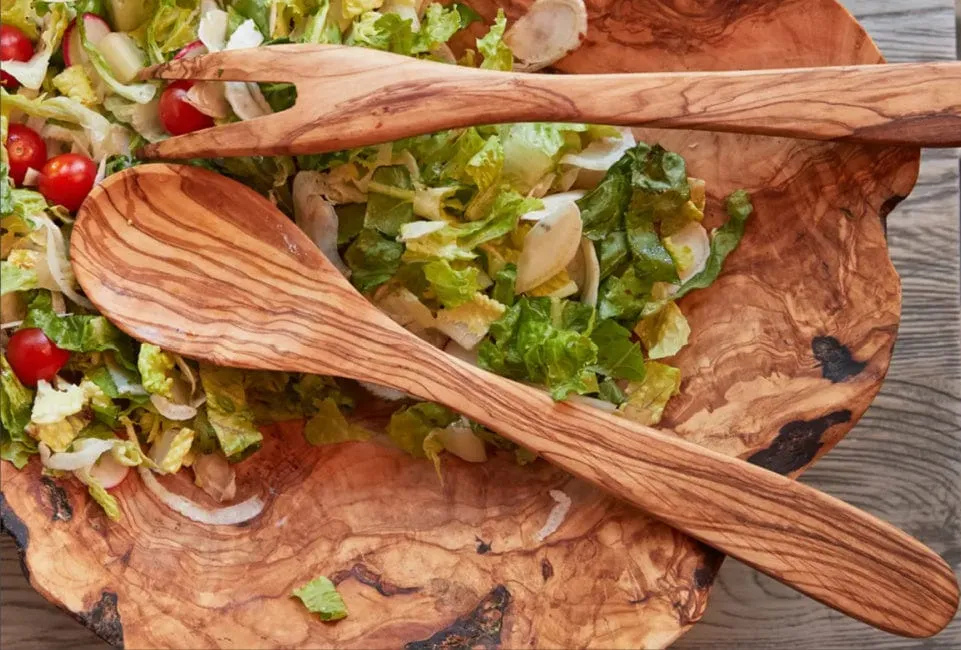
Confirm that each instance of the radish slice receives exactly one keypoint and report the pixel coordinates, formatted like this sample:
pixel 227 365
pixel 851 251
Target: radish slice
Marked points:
pixel 122 55
pixel 96 28
pixel 108 472
pixel 547 33
pixel 191 51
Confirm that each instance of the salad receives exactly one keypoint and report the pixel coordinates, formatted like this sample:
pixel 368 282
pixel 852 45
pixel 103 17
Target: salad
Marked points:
pixel 552 254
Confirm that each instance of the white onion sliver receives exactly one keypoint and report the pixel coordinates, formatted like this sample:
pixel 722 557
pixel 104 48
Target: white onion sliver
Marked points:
pixel 87 452
pixel 601 154
pixel 209 98
pixel 229 516
pixel 108 472
pixel 553 202
pixel 547 33
pixel 125 385
pixel 212 31
pixel 57 251
pixel 592 273
pixel 172 410
pixel 556 517
pixel 31 178
pixel 384 392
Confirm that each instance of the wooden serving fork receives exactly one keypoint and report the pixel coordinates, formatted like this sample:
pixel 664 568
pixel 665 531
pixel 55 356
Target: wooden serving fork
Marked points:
pixel 204 266
pixel 350 97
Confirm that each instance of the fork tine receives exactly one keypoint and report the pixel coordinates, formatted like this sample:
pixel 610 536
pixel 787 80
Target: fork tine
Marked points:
pixel 273 63
pixel 262 136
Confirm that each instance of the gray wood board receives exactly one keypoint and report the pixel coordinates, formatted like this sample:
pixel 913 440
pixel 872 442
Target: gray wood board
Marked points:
pixel 902 462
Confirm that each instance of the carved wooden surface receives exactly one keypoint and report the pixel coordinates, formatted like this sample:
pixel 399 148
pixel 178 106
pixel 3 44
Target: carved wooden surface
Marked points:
pixel 928 374
pixel 348 97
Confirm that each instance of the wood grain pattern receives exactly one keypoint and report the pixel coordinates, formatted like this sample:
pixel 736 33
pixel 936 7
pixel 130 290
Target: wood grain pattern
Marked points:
pixel 148 249
pixel 349 97
pixel 714 35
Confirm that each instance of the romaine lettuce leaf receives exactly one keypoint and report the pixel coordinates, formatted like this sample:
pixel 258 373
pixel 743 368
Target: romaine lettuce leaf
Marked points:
pixel 501 218
pixel 623 298
pixel 497 55
pixel 228 411
pixel 156 370
pixel 410 426
pixel 75 84
pixel 390 200
pixel 22 14
pixel 373 259
pixel 140 93
pixel 617 355
pixel 320 597
pixel 80 333
pixel 103 498
pixel 328 425
pixel 664 333
pixel 647 399
pixel 173 25
pixel 452 286
pixel 16 404
pixel 388 32
pixel 602 209
pixel 651 260
pixel 504 281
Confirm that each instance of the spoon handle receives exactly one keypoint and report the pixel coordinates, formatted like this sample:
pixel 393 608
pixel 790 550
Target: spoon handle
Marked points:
pixel 351 97
pixel 819 545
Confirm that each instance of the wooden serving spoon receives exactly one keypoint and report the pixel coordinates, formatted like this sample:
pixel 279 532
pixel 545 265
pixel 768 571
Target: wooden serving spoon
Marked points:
pixel 351 96
pixel 206 267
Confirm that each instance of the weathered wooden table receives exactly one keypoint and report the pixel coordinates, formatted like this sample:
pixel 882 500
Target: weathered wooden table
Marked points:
pixel 902 462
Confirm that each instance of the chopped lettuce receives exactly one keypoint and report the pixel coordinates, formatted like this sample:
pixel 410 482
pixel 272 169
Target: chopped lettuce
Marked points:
pixel 665 332
pixel 373 259
pixel 140 93
pixel 617 356
pixel 75 84
pixel 15 407
pixel 320 597
pixel 156 370
pixel 410 426
pixel 227 410
pixel 170 450
pixel 497 55
pixel 390 203
pixel 103 498
pixel 452 286
pixel 328 425
pixel 647 399
pixel 172 26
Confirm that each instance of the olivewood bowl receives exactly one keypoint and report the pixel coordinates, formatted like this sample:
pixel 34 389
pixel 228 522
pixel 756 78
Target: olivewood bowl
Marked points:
pixel 789 347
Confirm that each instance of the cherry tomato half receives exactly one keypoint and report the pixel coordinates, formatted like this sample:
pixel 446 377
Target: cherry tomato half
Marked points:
pixel 25 149
pixel 67 179
pixel 34 357
pixel 177 115
pixel 14 46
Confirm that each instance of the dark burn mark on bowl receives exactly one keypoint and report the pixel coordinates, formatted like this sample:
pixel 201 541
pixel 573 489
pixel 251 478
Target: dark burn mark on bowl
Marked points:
pixel 59 501
pixel 704 577
pixel 886 208
pixel 483 548
pixel 547 569
pixel 104 619
pixel 13 525
pixel 365 576
pixel 478 630
pixel 797 443
pixel 837 362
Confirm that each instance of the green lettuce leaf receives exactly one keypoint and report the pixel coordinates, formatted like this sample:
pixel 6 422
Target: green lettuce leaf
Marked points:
pixel 452 286
pixel 80 333
pixel 497 55
pixel 173 25
pixel 156 370
pixel 617 355
pixel 75 84
pixel 651 260
pixel 16 402
pixel 501 218
pixel 320 597
pixel 504 281
pixel 525 344
pixel 106 500
pixel 532 150
pixel 388 32
pixel 140 93
pixel 328 425
pixel 410 426
pixel 373 259
pixel 602 209
pixel 17 277
pixel 647 399
pixel 390 202
pixel 664 333
pixel 320 26
pixel 228 411
pixel 623 298
pixel 609 391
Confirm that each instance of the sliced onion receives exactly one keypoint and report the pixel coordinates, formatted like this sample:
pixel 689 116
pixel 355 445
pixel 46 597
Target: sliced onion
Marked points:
pixel 101 172
pixel 214 475
pixel 592 273
pixel 229 516
pixel 317 217
pixel 455 349
pixel 556 517
pixel 196 398
pixel 124 58
pixel 172 410
pixel 694 236
pixel 406 9
pixel 384 392
pixel 122 379
pixel 547 33
pixel 86 452
pixel 549 246
pixel 56 253
pixel 31 178
pixel 209 97
pixel 463 443
pixel 599 155
pixel 108 472
pixel 552 203
pixel 245 98
pixel 405 309
pixel 418 229
pixel 592 402
pixel 212 32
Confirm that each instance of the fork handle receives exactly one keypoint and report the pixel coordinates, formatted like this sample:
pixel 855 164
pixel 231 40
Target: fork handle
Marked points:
pixel 351 97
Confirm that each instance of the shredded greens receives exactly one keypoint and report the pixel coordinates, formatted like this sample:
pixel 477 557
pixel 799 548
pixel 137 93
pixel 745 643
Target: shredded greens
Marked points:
pixel 439 231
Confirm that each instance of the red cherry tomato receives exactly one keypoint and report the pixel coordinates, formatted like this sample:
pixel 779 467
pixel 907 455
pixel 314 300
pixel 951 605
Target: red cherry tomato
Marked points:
pixel 25 149
pixel 14 46
pixel 177 115
pixel 67 179
pixel 34 357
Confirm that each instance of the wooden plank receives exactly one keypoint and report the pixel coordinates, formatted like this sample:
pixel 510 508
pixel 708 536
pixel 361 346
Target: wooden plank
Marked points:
pixel 902 462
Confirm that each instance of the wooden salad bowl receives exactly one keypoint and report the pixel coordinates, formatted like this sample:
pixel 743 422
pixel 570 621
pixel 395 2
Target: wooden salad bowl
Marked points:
pixel 789 347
